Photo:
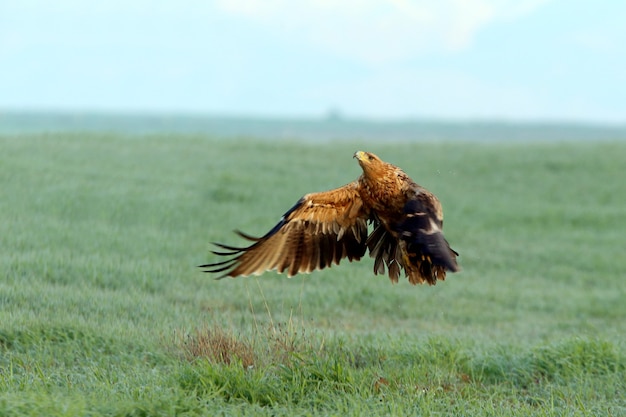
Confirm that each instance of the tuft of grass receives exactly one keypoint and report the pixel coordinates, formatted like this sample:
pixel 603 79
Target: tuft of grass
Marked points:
pixel 276 344
pixel 217 345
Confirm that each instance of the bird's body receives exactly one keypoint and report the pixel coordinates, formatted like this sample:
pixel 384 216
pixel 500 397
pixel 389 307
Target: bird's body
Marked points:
pixel 323 228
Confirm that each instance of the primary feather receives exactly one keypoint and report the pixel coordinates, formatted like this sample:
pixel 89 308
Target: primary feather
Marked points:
pixel 323 228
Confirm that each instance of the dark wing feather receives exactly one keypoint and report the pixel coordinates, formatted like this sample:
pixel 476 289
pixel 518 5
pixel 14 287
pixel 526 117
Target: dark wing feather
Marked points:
pixel 414 242
pixel 319 230
pixel 426 254
pixel 383 247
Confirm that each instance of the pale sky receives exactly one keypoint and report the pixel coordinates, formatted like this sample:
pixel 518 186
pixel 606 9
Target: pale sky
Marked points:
pixel 537 60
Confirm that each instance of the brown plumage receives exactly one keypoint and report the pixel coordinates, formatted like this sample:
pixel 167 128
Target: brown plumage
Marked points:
pixel 324 228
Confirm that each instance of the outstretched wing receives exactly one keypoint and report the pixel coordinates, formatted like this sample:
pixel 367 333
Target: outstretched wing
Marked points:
pixel 319 230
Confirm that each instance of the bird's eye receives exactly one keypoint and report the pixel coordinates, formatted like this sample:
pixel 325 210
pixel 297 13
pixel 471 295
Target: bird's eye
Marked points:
pixel 370 157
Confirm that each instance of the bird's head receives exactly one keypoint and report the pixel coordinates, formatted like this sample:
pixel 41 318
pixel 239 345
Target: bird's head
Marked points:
pixel 373 167
pixel 366 158
pixel 368 161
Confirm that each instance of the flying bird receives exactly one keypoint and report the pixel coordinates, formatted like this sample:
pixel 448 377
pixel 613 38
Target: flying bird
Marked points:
pixel 323 228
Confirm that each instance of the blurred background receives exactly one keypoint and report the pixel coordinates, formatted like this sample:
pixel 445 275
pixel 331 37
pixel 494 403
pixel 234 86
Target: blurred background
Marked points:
pixel 554 61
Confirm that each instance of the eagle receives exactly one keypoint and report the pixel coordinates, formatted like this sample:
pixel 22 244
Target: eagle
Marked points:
pixel 322 228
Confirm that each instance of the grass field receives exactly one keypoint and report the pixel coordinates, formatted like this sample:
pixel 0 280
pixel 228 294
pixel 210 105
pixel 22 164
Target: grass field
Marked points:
pixel 102 311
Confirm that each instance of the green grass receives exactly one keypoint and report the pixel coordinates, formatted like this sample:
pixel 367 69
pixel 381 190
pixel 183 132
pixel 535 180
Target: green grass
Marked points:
pixel 102 311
